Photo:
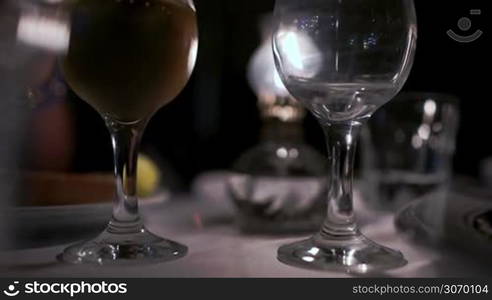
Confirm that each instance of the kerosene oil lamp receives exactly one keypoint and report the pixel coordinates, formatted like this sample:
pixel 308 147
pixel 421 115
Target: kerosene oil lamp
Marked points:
pixel 279 185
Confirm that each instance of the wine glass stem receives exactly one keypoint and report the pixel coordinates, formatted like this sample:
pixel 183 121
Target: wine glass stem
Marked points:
pixel 125 139
pixel 341 142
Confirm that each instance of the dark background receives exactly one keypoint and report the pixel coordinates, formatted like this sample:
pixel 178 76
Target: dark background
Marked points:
pixel 215 118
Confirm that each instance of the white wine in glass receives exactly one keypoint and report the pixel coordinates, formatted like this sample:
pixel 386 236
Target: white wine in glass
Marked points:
pixel 128 58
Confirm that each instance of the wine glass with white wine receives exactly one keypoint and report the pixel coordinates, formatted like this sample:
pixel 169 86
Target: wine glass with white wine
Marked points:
pixel 343 59
pixel 128 58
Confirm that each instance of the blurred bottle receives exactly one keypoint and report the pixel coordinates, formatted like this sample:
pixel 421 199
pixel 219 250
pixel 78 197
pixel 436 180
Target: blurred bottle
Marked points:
pixel 31 34
pixel 278 185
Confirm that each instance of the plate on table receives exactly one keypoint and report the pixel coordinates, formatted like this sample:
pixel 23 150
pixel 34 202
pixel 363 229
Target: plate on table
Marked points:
pixel 57 208
pixel 458 220
pixel 44 226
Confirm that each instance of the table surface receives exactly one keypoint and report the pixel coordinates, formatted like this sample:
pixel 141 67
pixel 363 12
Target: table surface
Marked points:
pixel 205 223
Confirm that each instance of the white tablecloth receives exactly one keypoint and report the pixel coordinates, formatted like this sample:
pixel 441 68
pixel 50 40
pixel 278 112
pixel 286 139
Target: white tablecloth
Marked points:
pixel 217 249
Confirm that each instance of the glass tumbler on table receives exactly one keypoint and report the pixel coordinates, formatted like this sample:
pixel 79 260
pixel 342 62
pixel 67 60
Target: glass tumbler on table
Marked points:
pixel 343 60
pixel 407 149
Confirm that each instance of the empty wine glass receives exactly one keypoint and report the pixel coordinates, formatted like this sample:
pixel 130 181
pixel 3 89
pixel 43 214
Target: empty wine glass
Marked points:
pixel 343 59
pixel 127 58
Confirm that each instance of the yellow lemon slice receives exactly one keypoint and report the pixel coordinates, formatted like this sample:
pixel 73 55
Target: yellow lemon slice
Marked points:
pixel 148 176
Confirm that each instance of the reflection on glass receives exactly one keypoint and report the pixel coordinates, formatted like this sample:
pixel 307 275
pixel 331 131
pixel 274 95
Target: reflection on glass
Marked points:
pixel 302 58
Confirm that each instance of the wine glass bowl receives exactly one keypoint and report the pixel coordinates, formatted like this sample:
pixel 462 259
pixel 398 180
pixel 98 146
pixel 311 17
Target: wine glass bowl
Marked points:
pixel 343 60
pixel 128 58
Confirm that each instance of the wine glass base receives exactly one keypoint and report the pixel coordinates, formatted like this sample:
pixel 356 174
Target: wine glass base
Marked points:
pixel 130 248
pixel 358 255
